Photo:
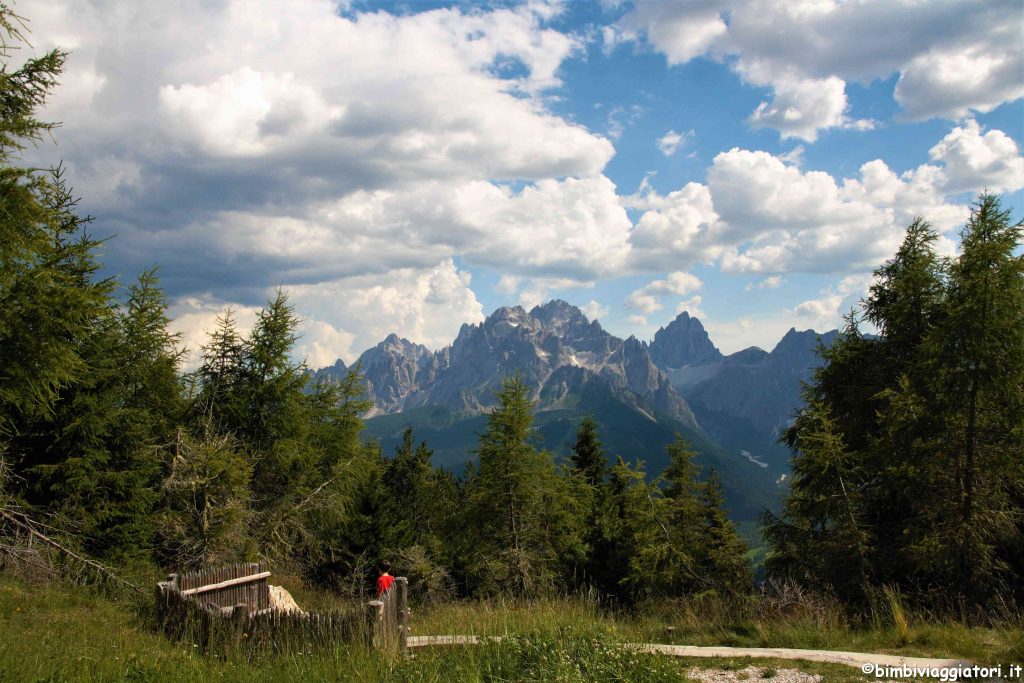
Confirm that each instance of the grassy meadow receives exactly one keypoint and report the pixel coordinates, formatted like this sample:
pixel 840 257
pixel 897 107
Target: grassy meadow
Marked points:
pixel 58 633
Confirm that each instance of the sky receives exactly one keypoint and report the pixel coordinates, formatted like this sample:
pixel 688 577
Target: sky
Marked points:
pixel 409 167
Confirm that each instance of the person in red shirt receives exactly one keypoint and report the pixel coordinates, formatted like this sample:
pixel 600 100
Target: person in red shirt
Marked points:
pixel 385 579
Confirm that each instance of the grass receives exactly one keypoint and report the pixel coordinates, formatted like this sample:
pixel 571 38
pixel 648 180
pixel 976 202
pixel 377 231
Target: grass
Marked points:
pixel 56 633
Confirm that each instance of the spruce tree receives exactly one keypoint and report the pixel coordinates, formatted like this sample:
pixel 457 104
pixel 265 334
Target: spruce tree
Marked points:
pixel 588 453
pixel 519 510
pixel 977 364
pixel 722 562
pixel 672 544
pixel 820 536
pixel 205 502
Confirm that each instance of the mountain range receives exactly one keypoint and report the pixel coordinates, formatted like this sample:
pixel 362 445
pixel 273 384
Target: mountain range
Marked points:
pixel 731 408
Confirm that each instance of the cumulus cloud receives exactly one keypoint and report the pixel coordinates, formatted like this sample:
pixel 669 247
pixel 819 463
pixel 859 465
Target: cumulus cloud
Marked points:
pixel 691 306
pixel 507 284
pixel 296 140
pixel 671 142
pixel 972 160
pixel 803 106
pixel 194 318
pixel 951 57
pixel 826 311
pixel 788 219
pixel 677 229
pixel 646 299
pixel 427 305
pixel 594 310
pixel 771 282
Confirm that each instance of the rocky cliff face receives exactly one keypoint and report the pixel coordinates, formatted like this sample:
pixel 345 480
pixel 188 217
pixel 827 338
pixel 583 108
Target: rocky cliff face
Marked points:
pixel 762 388
pixel 392 369
pixel 747 399
pixel 683 342
pixel 555 349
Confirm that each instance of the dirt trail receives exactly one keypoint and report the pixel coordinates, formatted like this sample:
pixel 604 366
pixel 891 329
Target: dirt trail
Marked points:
pixel 854 659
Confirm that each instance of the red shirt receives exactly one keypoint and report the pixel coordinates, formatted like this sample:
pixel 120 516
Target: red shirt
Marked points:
pixel 384 584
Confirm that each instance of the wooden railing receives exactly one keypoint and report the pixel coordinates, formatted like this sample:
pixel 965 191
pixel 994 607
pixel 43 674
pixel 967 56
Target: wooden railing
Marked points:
pixel 239 584
pixel 229 607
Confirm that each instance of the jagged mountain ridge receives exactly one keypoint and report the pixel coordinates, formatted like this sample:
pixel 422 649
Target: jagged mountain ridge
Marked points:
pixel 556 350
pixel 577 368
pixel 744 401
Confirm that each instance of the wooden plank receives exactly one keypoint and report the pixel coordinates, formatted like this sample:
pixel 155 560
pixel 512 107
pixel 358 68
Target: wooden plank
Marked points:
pixel 225 584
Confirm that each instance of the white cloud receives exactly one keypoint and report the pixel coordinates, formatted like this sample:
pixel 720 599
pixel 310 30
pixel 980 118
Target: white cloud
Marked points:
pixel 953 82
pixel 676 230
pixel 762 213
pixel 681 32
pixel 791 220
pixel 974 160
pixel 620 118
pixel 507 284
pixel 826 312
pixel 638 300
pixel 594 310
pixel 320 344
pixel 691 306
pixel 803 106
pixel 637 320
pixel 195 318
pixel 772 282
pixel 670 142
pixel 951 57
pixel 676 283
pixel 680 283
pixel 584 231
pixel 300 141
pixel 427 306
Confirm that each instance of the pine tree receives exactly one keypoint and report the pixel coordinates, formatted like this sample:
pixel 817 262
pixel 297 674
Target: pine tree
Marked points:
pixel 820 536
pixel 668 551
pixel 220 375
pixel 906 298
pixel 722 562
pixel 206 502
pixel 977 363
pixel 588 453
pixel 519 510
pixel 44 309
pixel 622 520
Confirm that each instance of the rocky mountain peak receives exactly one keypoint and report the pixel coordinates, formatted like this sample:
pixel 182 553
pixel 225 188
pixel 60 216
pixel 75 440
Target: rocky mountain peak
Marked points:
pixel 801 345
pixel 682 342
pixel 558 315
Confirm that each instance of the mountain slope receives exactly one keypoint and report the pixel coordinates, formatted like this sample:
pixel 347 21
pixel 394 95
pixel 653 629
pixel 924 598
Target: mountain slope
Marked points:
pixel 743 401
pixel 575 367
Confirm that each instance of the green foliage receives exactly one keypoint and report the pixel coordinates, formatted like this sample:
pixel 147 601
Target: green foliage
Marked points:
pixel 309 468
pixel 722 562
pixel 588 454
pixel 206 497
pixel 908 456
pixel 820 529
pixel 520 522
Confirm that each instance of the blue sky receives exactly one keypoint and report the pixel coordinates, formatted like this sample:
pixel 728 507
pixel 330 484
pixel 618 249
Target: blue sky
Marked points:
pixel 411 166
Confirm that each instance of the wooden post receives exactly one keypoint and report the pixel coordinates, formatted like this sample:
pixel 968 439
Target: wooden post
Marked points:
pixel 375 623
pixel 402 588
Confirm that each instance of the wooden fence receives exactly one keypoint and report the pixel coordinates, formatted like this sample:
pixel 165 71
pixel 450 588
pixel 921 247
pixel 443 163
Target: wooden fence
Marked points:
pixel 228 609
pixel 389 617
pixel 227 587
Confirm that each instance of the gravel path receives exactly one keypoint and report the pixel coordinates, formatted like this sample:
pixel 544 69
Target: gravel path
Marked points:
pixel 753 673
